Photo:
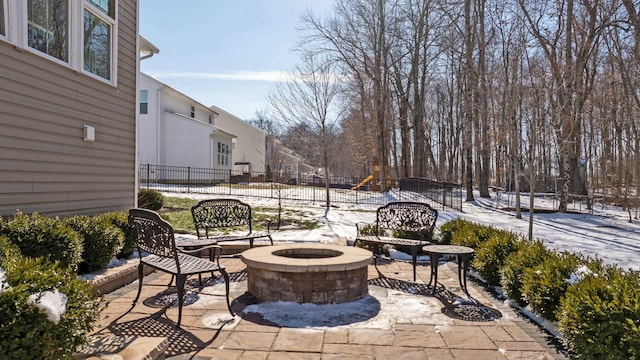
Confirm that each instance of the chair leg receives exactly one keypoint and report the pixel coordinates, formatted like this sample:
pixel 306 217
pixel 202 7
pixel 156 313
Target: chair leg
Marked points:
pixel 225 275
pixel 251 243
pixel 414 260
pixel 140 276
pixel 271 239
pixel 180 280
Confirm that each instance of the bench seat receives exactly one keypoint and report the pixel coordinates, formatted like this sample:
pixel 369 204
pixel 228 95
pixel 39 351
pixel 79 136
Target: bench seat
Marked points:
pixel 400 217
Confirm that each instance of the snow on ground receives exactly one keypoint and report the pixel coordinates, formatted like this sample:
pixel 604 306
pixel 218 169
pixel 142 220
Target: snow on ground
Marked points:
pixel 605 234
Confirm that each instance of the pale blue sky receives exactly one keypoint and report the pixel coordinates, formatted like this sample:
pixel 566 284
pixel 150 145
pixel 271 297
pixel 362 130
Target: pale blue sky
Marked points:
pixel 224 52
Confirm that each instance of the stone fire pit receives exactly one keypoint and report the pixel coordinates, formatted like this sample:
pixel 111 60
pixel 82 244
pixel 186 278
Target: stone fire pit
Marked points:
pixel 307 273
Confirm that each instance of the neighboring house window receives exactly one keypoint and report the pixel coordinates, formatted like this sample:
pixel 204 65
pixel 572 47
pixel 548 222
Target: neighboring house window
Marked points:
pixel 48 27
pixel 144 101
pixel 223 154
pixel 193 112
pixel 210 119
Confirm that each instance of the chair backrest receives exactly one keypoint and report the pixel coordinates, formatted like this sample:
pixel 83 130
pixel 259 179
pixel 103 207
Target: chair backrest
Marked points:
pixel 153 235
pixel 221 213
pixel 407 216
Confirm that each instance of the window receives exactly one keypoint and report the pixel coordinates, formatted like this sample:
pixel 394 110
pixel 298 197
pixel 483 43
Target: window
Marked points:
pixel 223 154
pixel 48 27
pixel 210 119
pixel 97 45
pixel 79 33
pixel 107 6
pixel 193 112
pixel 2 20
pixel 144 101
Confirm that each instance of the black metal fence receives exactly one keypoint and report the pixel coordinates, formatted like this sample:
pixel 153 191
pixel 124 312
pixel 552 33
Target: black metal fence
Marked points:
pixel 298 187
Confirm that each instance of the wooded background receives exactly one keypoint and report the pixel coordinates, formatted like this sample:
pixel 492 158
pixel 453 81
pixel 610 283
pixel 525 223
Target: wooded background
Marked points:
pixel 479 92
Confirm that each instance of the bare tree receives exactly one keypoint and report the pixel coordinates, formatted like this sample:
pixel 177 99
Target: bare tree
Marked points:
pixel 308 97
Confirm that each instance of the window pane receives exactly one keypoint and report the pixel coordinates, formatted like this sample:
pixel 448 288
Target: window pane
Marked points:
pixel 48 27
pixel 97 46
pixel 143 108
pixel 107 6
pixel 2 18
pixel 144 95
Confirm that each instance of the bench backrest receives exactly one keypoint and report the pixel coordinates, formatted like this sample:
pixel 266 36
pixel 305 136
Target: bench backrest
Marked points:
pixel 219 213
pixel 407 216
pixel 153 234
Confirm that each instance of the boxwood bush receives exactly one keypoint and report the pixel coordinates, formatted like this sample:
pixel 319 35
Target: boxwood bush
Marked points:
pixel 543 286
pixel 598 312
pixel 41 236
pixel 150 199
pixel 448 229
pixel 599 317
pixel 120 220
pixel 100 238
pixel 528 255
pixel 29 331
pixel 471 235
pixel 491 255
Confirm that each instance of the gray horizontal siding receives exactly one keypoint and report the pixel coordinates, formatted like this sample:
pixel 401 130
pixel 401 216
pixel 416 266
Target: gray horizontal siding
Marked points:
pixel 45 166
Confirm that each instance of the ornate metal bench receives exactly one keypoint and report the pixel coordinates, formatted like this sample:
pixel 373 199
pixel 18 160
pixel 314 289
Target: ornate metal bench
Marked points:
pixel 155 237
pixel 396 221
pixel 215 214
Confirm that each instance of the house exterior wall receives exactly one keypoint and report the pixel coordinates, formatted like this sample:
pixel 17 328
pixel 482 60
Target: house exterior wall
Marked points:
pixel 169 136
pixel 250 142
pixel 45 165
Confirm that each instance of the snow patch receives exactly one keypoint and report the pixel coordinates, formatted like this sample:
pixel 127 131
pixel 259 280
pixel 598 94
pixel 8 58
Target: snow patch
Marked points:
pixel 51 302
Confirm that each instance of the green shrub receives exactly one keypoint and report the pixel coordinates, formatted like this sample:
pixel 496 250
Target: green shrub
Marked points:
pixel 491 255
pixel 150 199
pixel 100 238
pixel 448 229
pixel 8 250
pixel 27 331
pixel 544 286
pixel 529 255
pixel 41 236
pixel 471 234
pixel 599 317
pixel 120 220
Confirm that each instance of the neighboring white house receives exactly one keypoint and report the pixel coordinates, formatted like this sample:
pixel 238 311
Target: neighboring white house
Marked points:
pixel 249 153
pixel 176 130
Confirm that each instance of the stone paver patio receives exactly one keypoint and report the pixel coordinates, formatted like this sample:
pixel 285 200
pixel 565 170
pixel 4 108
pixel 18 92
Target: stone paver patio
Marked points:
pixel 442 330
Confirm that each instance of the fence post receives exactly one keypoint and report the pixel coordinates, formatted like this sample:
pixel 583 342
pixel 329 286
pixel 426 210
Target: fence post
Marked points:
pixel 356 190
pixel 229 182
pixel 444 195
pixel 188 179
pixel 148 175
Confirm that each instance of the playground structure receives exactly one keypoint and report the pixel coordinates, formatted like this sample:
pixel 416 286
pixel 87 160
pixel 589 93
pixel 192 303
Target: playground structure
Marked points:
pixel 374 178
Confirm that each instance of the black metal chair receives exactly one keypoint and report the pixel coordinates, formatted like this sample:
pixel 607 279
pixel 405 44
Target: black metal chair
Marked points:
pixel 155 237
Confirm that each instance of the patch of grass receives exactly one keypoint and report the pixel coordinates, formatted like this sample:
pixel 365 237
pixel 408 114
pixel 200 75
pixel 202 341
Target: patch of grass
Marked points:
pixel 177 211
pixel 173 203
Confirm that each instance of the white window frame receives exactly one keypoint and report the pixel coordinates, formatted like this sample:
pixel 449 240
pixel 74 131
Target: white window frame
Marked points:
pixel 16 22
pixel 113 41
